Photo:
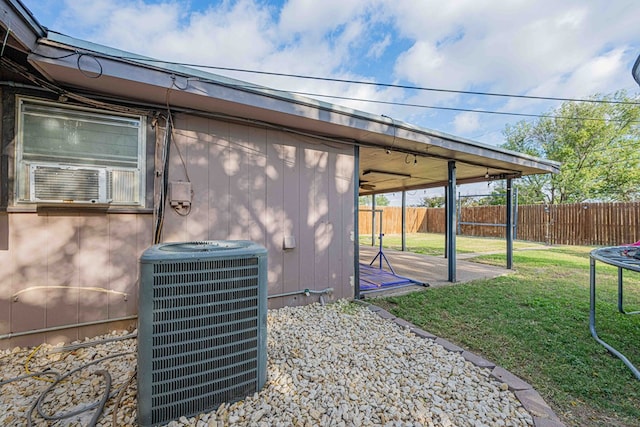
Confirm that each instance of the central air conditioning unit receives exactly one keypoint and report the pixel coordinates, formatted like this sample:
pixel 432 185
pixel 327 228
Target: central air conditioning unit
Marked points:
pixel 202 327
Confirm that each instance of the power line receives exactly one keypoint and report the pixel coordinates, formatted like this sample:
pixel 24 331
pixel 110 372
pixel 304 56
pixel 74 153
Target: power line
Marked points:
pixel 389 85
pixel 458 109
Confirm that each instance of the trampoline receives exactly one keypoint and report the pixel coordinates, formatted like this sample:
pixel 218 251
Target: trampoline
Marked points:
pixel 625 258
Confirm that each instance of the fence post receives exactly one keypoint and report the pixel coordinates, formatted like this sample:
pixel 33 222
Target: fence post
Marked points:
pixel 547 220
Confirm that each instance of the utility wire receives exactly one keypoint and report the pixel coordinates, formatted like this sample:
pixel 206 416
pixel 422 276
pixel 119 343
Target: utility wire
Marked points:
pixel 390 85
pixel 403 104
pixel 504 113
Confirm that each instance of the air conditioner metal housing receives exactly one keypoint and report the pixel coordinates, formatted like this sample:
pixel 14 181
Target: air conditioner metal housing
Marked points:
pixel 202 327
pixel 51 183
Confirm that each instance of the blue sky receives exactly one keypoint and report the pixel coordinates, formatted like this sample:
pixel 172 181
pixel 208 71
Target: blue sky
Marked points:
pixel 568 48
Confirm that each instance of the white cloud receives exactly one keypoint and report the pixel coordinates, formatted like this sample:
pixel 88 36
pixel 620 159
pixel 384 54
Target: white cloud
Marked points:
pixel 506 46
pixel 546 48
pixel 421 61
pixel 319 18
pixel 230 34
pixel 572 18
pixel 600 72
pixel 377 49
pixel 466 123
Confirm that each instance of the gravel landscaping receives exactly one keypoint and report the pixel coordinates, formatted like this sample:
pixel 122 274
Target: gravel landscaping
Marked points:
pixel 339 364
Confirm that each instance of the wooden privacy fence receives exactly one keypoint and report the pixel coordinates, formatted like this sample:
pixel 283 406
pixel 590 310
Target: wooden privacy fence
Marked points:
pixel 419 220
pixel 606 224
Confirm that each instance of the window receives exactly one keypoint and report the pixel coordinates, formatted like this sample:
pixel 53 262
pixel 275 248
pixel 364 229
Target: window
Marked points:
pixel 69 155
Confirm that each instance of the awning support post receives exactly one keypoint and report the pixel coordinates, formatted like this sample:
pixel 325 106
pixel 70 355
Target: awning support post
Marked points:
pixel 446 221
pixel 356 224
pixel 509 224
pixel 404 221
pixel 373 220
pixel 451 220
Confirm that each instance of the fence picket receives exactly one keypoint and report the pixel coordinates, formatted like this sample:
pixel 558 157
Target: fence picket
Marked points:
pixel 606 224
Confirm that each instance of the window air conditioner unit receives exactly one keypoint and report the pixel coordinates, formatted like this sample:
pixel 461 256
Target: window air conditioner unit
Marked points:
pixel 67 184
pixel 202 327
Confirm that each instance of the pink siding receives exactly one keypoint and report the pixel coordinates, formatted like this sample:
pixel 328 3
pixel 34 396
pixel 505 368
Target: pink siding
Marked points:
pixel 6 279
pixel 275 214
pixel 261 185
pixel 62 269
pixel 29 243
pixel 293 219
pixel 248 183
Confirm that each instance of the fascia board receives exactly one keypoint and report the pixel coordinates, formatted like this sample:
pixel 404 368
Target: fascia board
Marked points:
pixel 24 28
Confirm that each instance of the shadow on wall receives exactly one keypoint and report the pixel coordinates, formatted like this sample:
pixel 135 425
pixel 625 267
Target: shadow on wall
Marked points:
pixel 66 269
pixel 265 185
pixel 69 267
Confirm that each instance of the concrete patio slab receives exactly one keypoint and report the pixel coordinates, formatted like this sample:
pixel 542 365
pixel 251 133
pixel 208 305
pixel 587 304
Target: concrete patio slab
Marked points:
pixel 427 269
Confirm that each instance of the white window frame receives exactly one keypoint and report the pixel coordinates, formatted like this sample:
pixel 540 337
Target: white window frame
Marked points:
pixel 124 185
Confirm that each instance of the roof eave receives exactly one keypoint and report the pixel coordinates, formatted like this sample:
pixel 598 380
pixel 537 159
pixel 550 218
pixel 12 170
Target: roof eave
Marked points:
pixel 190 88
pixel 22 25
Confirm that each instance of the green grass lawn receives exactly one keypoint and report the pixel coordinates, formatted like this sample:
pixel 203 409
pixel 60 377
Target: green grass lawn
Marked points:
pixel 535 323
pixel 433 244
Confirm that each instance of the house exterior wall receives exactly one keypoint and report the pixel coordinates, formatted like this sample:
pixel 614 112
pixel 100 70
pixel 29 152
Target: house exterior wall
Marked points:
pixel 259 184
pixel 64 267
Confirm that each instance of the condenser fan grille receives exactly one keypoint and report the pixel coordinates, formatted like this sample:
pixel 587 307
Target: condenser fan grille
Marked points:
pixel 206 335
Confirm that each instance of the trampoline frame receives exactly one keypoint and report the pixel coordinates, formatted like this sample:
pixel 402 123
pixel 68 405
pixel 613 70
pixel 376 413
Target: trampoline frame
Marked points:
pixel 613 256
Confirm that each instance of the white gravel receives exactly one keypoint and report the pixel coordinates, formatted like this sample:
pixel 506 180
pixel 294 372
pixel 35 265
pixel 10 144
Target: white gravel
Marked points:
pixel 338 364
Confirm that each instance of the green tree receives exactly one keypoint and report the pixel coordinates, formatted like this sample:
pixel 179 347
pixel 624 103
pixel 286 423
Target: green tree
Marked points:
pixel 432 202
pixel 381 200
pixel 498 196
pixel 597 144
